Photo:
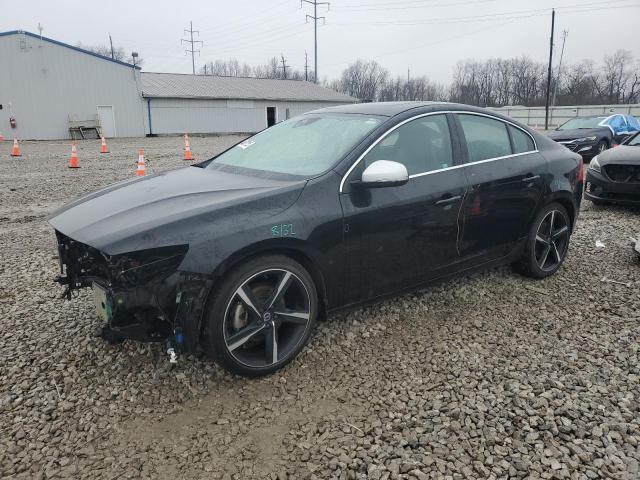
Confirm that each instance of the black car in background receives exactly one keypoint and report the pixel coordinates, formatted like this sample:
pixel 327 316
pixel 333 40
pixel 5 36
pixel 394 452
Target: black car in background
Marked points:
pixel 614 176
pixel 587 136
pixel 239 255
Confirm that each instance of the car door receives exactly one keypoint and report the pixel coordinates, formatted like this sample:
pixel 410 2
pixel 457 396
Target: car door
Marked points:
pixel 402 235
pixel 506 177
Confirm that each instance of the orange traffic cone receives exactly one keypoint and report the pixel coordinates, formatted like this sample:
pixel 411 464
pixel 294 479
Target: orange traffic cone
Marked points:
pixel 142 169
pixel 187 148
pixel 103 146
pixel 15 151
pixel 73 161
pixel 1 137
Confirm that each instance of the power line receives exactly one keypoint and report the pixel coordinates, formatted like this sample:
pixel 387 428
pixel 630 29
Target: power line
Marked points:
pixel 315 19
pixel 192 42
pixel 261 41
pixel 494 16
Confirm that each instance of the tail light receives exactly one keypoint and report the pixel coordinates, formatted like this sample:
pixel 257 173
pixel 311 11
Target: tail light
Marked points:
pixel 581 170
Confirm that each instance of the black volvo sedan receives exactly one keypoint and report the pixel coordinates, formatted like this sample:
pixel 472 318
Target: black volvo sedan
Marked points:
pixel 239 255
pixel 614 176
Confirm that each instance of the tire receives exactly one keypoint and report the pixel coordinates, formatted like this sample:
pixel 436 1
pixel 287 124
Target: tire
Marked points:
pixel 240 338
pixel 541 240
pixel 602 146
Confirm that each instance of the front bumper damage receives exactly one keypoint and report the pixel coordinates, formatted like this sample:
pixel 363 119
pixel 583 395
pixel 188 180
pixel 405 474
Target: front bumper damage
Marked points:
pixel 140 295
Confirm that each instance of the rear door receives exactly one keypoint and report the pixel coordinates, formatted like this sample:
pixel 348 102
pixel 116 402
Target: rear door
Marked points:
pixel 506 175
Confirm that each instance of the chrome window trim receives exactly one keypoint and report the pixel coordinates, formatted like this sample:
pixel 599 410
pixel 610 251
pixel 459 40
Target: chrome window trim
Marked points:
pixel 472 163
pixel 442 112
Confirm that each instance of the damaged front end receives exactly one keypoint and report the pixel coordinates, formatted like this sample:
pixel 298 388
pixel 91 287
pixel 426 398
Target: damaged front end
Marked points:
pixel 140 295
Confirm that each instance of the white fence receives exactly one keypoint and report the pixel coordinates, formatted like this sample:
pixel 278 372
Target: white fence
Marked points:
pixel 534 116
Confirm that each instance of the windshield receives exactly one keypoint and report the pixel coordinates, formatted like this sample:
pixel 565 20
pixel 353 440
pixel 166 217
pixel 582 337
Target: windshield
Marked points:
pixel 581 123
pixel 305 145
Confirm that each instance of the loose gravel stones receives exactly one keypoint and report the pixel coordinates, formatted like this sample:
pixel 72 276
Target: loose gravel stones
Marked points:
pixel 488 376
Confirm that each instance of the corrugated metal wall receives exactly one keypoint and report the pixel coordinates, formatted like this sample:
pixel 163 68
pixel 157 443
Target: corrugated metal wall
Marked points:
pixel 534 116
pixel 174 115
pixel 42 83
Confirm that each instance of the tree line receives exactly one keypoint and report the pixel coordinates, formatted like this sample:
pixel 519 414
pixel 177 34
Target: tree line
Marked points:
pixel 489 83
pixel 273 68
pixel 522 81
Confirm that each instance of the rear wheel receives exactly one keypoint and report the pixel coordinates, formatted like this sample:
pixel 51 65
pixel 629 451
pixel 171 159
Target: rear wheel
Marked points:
pixel 547 244
pixel 261 316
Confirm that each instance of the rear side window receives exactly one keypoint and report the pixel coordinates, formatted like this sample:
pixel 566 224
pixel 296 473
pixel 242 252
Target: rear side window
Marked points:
pixel 521 141
pixel 486 138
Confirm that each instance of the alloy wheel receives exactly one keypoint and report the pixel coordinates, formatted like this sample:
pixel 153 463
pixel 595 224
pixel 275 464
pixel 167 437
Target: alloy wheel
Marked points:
pixel 552 240
pixel 603 147
pixel 266 318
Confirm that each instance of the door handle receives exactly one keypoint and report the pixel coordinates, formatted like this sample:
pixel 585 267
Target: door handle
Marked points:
pixel 446 201
pixel 530 179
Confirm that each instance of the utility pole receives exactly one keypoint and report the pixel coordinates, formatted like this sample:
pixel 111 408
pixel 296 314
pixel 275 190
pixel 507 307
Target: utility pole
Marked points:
pixel 284 67
pixel 408 74
pixel 555 87
pixel 315 19
pixel 205 68
pixel 306 67
pixel 111 43
pixel 546 107
pixel 192 42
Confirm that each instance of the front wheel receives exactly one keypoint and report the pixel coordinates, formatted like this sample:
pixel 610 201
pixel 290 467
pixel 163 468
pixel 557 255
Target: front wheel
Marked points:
pixel 261 316
pixel 547 244
pixel 602 146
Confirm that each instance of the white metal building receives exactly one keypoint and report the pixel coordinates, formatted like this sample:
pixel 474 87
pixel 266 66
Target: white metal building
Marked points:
pixel 178 103
pixel 46 84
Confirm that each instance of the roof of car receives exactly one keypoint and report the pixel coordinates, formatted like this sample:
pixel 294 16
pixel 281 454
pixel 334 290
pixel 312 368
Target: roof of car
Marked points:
pixel 387 109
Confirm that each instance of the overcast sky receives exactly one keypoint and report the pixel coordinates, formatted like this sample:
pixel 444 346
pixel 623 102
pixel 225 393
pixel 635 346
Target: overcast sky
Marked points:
pixel 426 36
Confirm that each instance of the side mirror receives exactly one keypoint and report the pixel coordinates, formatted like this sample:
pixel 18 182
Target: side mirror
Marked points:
pixel 383 173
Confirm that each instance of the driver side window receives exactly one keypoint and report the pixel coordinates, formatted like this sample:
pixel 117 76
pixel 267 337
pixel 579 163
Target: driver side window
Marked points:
pixel 421 145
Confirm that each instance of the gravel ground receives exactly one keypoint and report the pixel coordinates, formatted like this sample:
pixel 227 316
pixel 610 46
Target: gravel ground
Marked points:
pixel 488 376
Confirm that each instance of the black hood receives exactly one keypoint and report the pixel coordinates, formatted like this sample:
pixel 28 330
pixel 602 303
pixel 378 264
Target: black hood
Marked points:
pixel 564 135
pixel 623 155
pixel 131 214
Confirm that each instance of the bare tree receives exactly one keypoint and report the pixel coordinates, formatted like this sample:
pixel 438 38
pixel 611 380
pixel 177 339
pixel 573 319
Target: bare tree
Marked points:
pixel 363 80
pixel 118 53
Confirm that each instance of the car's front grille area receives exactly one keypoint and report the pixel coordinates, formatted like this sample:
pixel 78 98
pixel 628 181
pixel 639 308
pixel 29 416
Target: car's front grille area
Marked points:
pixel 623 173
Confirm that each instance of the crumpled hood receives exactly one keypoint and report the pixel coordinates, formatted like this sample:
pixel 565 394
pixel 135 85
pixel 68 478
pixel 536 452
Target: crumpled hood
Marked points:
pixel 563 135
pixel 622 154
pixel 147 212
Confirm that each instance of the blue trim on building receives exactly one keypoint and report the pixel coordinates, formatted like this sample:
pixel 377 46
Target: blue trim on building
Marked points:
pixel 61 44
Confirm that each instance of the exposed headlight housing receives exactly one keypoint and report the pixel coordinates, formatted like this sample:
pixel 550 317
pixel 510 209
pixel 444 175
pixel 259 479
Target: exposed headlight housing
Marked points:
pixel 585 139
pixel 143 266
pixel 594 164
